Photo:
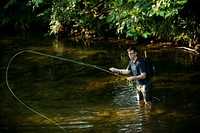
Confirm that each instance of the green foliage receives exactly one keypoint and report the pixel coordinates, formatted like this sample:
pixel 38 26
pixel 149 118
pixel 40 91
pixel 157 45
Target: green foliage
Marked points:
pixel 17 15
pixel 77 17
pixel 182 28
pixel 15 18
pixel 35 3
pixel 10 3
pixel 133 17
pixel 173 20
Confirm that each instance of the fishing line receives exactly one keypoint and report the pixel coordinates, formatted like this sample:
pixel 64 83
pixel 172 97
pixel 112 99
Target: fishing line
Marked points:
pixel 52 56
pixel 69 60
pixel 7 69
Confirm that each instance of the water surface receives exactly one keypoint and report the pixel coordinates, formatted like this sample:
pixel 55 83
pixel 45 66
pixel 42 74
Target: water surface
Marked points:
pixel 85 99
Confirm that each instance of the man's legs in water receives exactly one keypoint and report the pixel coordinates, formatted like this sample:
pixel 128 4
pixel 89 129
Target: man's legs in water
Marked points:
pixel 144 95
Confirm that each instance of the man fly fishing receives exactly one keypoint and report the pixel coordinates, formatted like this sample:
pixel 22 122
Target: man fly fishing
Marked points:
pixel 143 82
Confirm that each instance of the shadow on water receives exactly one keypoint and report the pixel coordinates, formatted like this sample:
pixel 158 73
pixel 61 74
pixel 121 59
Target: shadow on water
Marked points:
pixel 85 99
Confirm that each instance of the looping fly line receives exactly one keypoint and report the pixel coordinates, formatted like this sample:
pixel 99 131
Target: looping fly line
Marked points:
pixel 52 56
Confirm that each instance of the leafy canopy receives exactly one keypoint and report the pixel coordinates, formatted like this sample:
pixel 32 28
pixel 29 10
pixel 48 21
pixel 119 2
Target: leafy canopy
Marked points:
pixel 172 20
pixel 133 17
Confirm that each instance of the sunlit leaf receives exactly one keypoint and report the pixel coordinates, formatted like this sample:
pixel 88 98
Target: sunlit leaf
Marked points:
pixel 146 34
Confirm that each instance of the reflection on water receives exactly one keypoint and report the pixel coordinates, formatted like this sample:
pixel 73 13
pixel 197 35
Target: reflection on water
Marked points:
pixel 125 97
pixel 85 99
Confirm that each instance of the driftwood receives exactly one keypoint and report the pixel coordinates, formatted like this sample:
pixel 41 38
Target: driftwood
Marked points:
pixel 189 49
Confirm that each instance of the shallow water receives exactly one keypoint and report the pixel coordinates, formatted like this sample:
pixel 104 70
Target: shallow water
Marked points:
pixel 81 98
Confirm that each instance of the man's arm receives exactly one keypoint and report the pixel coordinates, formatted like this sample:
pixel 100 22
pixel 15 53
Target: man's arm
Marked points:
pixel 121 71
pixel 138 77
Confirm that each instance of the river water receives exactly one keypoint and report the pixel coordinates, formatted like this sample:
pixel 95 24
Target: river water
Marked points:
pixel 65 96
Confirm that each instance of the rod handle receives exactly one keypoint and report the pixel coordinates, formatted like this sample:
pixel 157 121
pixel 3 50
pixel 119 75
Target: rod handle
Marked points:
pixel 145 54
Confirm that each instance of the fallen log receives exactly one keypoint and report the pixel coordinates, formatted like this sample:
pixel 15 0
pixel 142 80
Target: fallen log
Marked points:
pixel 189 49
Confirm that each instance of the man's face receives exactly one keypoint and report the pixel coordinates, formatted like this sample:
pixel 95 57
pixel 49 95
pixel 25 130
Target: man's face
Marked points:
pixel 132 54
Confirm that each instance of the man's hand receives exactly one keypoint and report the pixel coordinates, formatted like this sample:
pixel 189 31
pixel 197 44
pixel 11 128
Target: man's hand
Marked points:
pixel 113 69
pixel 132 78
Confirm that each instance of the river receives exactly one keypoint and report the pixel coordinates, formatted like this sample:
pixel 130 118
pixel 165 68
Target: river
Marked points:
pixel 54 95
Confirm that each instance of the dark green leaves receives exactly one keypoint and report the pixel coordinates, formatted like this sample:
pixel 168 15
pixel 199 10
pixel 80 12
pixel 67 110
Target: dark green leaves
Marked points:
pixel 132 18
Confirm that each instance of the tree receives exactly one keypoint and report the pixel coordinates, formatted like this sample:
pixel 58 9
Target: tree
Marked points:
pixel 17 15
pixel 76 17
pixel 134 17
pixel 172 20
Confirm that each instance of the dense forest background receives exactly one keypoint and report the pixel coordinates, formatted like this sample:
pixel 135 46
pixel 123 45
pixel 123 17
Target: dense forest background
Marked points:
pixel 169 20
